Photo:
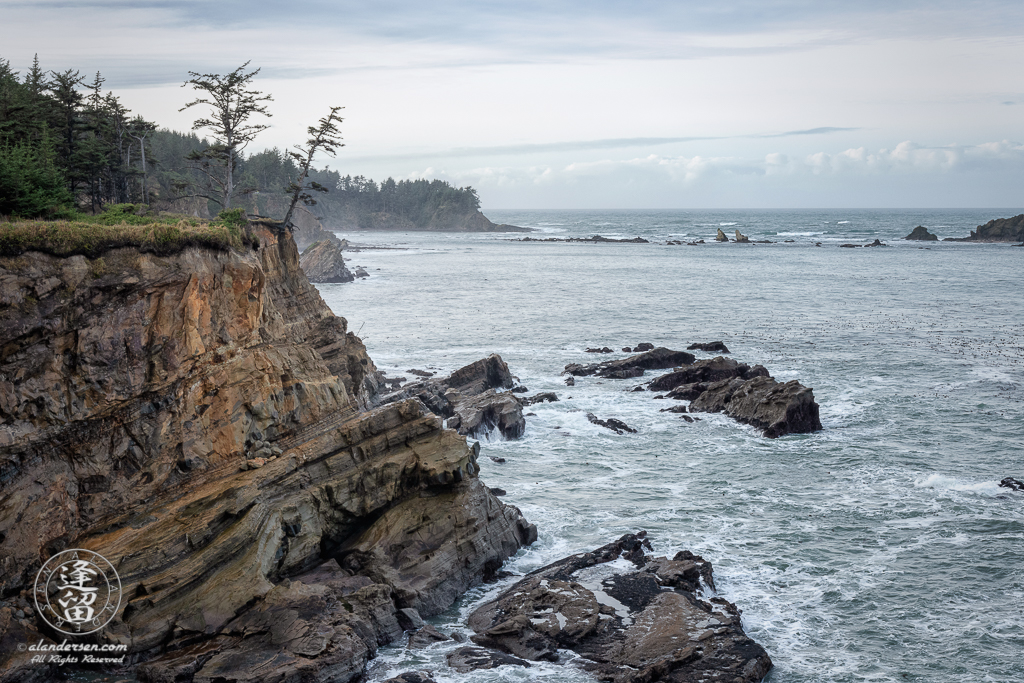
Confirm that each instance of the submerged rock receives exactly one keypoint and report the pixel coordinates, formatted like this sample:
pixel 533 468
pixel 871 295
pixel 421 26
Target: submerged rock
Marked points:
pixel 469 658
pixel 617 426
pixel 648 624
pixel 1012 484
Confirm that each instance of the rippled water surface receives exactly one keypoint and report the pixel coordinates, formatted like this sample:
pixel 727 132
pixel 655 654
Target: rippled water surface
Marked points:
pixel 880 549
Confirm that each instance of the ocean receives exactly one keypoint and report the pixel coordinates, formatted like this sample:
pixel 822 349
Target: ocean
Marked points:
pixel 879 549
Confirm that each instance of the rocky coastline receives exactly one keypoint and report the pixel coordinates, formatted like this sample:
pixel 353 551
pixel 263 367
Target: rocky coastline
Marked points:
pixel 143 403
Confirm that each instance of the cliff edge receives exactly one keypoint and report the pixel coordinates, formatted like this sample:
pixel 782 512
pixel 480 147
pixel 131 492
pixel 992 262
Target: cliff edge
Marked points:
pixel 205 423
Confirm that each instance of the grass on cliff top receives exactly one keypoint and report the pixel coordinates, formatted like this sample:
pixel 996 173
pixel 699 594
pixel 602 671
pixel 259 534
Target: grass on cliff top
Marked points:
pixel 120 226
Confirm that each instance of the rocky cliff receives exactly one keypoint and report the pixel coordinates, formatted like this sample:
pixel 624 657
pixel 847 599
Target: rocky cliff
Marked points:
pixel 205 423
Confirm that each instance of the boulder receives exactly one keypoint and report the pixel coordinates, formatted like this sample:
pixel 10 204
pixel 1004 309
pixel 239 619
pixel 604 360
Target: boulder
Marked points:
pixel 544 397
pixel 775 408
pixel 641 347
pixel 711 347
pixel 322 262
pixel 655 359
pixel 921 233
pixel 425 637
pixel 708 370
pixel 647 624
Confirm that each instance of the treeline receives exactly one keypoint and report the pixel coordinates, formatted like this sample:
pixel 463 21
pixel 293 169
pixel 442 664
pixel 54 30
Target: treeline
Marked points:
pixel 65 141
pixel 67 145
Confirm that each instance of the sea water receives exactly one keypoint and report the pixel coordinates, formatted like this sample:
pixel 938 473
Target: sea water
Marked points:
pixel 878 549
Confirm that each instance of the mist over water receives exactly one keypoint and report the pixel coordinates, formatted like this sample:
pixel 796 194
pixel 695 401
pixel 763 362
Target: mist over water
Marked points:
pixel 880 549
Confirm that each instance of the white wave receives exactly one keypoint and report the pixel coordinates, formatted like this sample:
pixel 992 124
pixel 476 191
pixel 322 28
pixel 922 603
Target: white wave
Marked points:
pixel 942 482
pixel 727 224
pixel 842 222
pixel 800 234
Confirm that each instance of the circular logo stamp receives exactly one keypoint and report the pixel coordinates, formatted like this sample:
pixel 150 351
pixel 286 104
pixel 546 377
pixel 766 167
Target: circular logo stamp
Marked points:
pixel 77 591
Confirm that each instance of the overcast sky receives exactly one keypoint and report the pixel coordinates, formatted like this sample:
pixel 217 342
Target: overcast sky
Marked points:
pixel 572 104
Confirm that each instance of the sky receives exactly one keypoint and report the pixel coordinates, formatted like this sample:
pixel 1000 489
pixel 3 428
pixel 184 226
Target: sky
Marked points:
pixel 597 104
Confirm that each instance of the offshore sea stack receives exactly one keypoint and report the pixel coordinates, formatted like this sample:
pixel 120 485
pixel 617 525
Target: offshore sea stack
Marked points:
pixel 205 423
pixel 998 230
pixel 921 233
pixel 639 625
pixel 322 262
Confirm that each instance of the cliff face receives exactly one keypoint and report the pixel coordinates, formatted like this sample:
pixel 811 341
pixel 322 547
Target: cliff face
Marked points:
pixel 135 391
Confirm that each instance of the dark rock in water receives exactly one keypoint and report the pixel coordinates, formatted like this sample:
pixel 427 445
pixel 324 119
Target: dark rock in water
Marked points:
pixel 519 390
pixel 641 347
pixel 708 370
pixel 626 349
pixel 687 418
pixel 777 409
pixel 570 381
pixel 496 491
pixel 477 415
pixel 659 397
pixel 850 246
pixel 604 349
pixel 469 658
pixel 674 409
pixel 361 272
pixel 544 397
pixel 688 392
pixel 649 624
pixel 497 460
pixel 617 426
pixel 1012 484
pixel 921 233
pixel 998 230
pixel 323 263
pixel 876 243
pixel 411 677
pixel 468 398
pixel 655 359
pixel 638 387
pixel 420 373
pixel 425 637
pixel 623 373
pixel 710 347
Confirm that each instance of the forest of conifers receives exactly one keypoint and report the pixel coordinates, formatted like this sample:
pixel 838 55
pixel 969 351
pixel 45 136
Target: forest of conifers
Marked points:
pixel 68 146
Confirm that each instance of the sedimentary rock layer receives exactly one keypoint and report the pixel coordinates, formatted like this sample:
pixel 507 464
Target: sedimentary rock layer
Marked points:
pixel 136 390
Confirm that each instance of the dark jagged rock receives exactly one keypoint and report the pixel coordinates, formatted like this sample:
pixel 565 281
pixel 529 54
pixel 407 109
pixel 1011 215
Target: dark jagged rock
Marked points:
pixel 708 370
pixel 674 409
pixel 775 408
pixel 688 392
pixel 998 230
pixel 477 415
pixel 361 272
pixel 641 347
pixel 570 381
pixel 469 658
pixel 921 233
pixel 469 399
pixel 645 625
pixel 425 637
pixel 1012 484
pixel 877 243
pixel 850 246
pixel 604 349
pixel 519 390
pixel 545 397
pixel 655 359
pixel 594 238
pixel 420 373
pixel 617 426
pixel 323 263
pixel 710 347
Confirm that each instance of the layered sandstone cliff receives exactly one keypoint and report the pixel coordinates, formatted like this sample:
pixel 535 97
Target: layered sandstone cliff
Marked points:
pixel 205 423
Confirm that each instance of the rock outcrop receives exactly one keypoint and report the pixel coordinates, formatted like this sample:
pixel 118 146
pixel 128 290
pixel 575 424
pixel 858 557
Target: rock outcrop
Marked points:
pixel 921 233
pixel 708 370
pixel 323 263
pixel 132 389
pixel 634 366
pixel 998 230
pixel 740 237
pixel 646 625
pixel 712 347
pixel 773 407
pixel 720 237
pixel 470 400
